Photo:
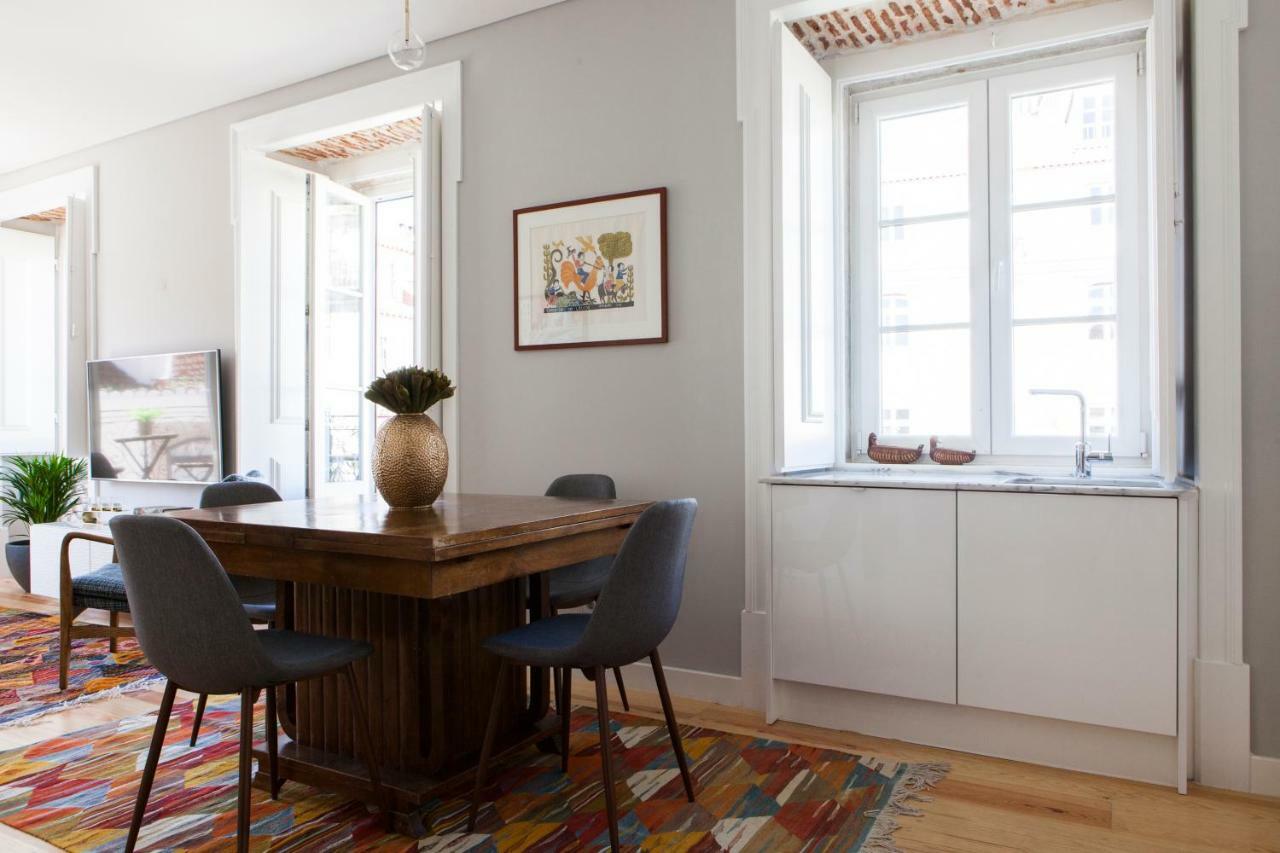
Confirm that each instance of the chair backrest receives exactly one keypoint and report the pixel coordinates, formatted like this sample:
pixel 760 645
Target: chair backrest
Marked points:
pixel 237 493
pixel 641 598
pixel 187 616
pixel 583 486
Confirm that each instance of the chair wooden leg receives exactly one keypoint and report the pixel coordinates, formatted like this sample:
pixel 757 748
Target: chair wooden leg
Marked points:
pixel 486 748
pixel 243 800
pixel 273 744
pixel 149 769
pixel 622 690
pixel 556 677
pixel 114 621
pixel 195 724
pixel 606 762
pixel 672 729
pixel 566 709
pixel 64 648
pixel 372 758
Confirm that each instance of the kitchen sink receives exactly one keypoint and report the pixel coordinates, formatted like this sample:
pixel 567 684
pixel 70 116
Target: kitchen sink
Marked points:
pixel 1101 482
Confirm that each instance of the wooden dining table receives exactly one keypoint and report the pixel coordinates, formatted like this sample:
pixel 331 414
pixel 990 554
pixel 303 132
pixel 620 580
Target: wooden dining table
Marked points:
pixel 424 587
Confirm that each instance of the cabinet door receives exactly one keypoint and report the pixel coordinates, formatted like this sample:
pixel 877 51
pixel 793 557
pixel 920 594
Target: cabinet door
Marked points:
pixel 864 593
pixel 1068 607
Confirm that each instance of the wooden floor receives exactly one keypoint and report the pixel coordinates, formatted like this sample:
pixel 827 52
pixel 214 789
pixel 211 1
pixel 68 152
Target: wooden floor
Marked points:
pixel 985 804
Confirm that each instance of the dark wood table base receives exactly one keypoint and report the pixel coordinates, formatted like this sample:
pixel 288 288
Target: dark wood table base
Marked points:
pixel 420 698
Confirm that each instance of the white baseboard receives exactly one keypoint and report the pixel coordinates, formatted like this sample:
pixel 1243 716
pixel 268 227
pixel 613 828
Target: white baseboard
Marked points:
pixel 1264 775
pixel 688 683
pixel 1037 740
pixel 1222 725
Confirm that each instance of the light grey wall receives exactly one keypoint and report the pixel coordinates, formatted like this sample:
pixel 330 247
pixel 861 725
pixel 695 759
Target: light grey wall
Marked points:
pixel 578 99
pixel 1260 229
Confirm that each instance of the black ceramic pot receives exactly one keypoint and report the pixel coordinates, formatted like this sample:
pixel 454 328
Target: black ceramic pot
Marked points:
pixel 18 556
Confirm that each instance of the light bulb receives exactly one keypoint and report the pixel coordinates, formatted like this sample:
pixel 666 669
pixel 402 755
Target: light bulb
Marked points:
pixel 407 50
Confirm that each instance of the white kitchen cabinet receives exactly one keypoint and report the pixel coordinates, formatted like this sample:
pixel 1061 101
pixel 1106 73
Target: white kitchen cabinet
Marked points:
pixel 1067 607
pixel 864 589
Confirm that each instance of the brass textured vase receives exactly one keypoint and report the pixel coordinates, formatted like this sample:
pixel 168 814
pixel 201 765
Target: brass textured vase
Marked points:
pixel 410 461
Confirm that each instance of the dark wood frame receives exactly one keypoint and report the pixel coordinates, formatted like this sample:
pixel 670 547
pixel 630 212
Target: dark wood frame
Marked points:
pixel 67 611
pixel 661 192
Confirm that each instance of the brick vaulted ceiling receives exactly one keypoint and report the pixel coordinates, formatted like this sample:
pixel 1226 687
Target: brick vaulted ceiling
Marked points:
pixel 359 142
pixel 886 22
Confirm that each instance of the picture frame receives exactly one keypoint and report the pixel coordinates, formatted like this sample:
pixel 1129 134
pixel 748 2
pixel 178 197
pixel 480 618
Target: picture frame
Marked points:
pixel 591 272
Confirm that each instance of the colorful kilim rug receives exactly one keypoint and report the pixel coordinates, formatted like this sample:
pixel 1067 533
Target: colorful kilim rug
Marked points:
pixel 29 668
pixel 77 792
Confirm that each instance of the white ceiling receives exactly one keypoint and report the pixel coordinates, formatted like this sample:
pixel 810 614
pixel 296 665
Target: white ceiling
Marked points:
pixel 74 73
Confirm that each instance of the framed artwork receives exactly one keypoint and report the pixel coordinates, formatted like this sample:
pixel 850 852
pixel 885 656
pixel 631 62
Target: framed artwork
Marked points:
pixel 592 272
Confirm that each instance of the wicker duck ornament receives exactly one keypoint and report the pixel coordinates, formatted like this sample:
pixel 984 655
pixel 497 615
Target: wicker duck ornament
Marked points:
pixel 887 454
pixel 946 456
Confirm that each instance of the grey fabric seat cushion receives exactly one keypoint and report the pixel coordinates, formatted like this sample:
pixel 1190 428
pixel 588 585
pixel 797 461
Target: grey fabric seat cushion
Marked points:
pixel 579 584
pixel 257 595
pixel 296 657
pixel 546 642
pixel 102 588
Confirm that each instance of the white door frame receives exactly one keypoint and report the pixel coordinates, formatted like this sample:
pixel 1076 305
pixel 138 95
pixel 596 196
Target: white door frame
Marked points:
pixel 76 304
pixel 438 89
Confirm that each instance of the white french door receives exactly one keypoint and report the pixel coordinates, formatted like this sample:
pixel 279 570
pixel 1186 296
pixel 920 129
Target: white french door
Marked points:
pixel 271 394
pixel 343 251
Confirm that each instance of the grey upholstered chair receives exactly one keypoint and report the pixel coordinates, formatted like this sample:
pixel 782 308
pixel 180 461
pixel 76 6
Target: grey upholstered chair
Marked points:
pixel 579 584
pixel 634 613
pixel 257 596
pixel 193 629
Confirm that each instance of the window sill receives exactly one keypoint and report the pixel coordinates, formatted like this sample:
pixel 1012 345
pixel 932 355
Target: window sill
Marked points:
pixel 952 478
pixel 1011 466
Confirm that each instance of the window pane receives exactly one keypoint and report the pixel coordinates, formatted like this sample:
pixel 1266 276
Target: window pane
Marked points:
pixel 1063 143
pixel 341 436
pixel 924 383
pixel 338 340
pixel 344 244
pixel 395 284
pixel 924 164
pixel 1081 356
pixel 924 273
pixel 1064 262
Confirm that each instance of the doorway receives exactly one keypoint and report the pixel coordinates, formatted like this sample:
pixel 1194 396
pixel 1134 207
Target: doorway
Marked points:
pixel 366 307
pixel 340 220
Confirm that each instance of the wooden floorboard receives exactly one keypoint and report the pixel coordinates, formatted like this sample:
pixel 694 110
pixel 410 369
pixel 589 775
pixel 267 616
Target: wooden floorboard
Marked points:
pixel 984 804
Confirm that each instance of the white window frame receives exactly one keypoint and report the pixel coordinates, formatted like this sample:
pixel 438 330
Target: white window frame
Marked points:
pixel 990 322
pixel 866 253
pixel 1131 284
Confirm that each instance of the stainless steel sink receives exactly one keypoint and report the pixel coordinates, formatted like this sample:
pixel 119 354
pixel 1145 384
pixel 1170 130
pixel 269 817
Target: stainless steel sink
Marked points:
pixel 1101 482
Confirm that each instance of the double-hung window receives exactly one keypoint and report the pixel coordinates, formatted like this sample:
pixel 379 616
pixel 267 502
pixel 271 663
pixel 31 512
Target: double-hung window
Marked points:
pixel 997 248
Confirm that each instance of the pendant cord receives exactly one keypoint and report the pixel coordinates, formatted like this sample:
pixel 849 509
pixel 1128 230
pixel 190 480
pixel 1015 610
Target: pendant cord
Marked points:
pixel 406 22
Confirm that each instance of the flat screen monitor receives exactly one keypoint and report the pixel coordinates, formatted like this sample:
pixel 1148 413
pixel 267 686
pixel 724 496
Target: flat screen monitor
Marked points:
pixel 156 418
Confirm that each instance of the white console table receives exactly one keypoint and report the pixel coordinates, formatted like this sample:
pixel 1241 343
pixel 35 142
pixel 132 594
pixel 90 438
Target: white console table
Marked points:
pixel 46 553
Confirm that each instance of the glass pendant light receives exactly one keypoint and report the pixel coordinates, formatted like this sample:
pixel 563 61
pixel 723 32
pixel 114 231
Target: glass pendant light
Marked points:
pixel 407 50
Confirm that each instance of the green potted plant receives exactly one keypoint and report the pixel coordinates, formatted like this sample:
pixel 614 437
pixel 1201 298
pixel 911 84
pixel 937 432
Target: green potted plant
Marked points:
pixel 36 490
pixel 410 457
pixel 146 419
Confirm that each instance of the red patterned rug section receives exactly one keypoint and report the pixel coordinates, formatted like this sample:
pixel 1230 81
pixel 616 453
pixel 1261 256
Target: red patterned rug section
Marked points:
pixel 29 668
pixel 77 792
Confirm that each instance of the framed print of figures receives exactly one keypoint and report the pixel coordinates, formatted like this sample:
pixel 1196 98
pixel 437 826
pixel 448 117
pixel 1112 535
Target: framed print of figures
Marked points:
pixel 592 272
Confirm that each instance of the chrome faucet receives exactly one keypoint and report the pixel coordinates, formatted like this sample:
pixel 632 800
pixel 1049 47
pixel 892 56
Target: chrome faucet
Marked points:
pixel 1084 456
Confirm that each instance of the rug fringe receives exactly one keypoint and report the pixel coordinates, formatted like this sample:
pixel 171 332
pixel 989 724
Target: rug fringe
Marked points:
pixel 911 787
pixel 85 698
